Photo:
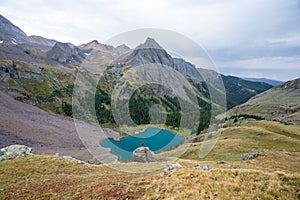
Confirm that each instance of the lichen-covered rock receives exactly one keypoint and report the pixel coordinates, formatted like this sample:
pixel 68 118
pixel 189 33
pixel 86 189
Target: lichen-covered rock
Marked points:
pixel 143 154
pixel 15 151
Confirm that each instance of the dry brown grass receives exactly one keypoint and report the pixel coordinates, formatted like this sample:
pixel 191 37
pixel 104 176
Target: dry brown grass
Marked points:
pixel 22 65
pixel 6 62
pixel 224 184
pixel 288 162
pixel 47 177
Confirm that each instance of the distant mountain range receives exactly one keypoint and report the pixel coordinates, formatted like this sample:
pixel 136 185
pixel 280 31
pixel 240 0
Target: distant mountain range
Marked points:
pixel 264 80
pixel 41 72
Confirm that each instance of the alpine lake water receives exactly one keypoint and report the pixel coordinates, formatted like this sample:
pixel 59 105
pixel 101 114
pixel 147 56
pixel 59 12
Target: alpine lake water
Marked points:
pixel 156 139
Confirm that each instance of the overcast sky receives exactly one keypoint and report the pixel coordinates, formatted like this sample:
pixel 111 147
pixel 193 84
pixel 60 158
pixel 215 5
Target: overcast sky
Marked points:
pixel 248 38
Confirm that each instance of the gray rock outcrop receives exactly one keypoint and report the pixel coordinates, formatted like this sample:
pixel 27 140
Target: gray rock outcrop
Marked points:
pixel 143 154
pixel 15 151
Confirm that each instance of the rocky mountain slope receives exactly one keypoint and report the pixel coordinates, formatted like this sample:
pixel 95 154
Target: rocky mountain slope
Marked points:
pixel 41 72
pixel 9 33
pixel 151 52
pixel 65 53
pixel 43 131
pixel 16 45
pixel 280 103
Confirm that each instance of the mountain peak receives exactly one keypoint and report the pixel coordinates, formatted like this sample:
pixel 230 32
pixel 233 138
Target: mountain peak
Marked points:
pixel 94 42
pixel 9 32
pixel 96 45
pixel 149 43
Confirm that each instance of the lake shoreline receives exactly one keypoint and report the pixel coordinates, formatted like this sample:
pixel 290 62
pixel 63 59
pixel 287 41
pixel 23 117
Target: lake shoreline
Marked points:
pixel 156 138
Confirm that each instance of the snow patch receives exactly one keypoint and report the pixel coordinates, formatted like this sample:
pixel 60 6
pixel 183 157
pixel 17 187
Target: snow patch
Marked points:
pixel 1 41
pixel 87 54
pixel 14 39
pixel 14 42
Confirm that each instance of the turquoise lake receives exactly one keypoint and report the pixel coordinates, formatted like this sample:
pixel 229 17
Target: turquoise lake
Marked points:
pixel 155 138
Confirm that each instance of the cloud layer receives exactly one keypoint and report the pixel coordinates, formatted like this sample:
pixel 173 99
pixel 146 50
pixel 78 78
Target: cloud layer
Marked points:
pixel 239 35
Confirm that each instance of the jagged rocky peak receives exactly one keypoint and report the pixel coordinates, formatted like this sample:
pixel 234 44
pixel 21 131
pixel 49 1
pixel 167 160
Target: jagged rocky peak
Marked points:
pixel 150 52
pixel 95 42
pixel 97 46
pixel 91 44
pixel 66 53
pixel 149 43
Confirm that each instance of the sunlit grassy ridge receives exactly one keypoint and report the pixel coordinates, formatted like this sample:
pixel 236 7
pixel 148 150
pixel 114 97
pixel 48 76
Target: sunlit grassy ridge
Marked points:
pixel 250 137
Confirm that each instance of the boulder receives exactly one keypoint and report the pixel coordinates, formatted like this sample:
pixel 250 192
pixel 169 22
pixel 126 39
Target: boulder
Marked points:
pixel 143 154
pixel 171 168
pixel 203 167
pixel 15 151
pixel 250 156
pixel 70 158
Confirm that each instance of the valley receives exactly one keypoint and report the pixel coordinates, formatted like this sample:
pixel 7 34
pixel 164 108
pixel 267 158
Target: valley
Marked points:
pixel 252 127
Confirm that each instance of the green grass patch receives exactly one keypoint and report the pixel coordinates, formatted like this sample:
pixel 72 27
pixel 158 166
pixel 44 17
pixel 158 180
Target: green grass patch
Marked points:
pixel 36 88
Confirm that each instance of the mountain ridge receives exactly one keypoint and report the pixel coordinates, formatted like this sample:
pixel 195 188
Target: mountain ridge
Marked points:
pixel 265 80
pixel 281 103
pixel 46 77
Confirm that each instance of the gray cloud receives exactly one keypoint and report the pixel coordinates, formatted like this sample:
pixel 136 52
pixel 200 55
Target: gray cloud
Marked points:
pixel 232 31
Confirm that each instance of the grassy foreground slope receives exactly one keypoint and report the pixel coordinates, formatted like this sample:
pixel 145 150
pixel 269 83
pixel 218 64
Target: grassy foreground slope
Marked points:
pixel 274 174
pixel 46 177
